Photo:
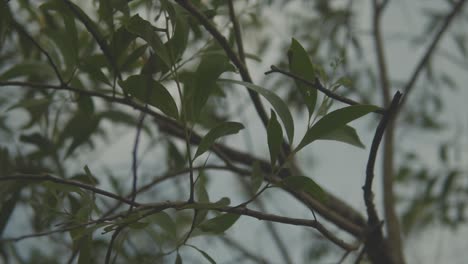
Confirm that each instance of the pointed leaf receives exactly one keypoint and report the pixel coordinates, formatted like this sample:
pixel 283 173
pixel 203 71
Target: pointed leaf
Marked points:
pixel 93 30
pixel 223 129
pixel 275 137
pixel 178 41
pixel 223 202
pixel 147 90
pixel 5 21
pixel 219 224
pixel 27 69
pixel 333 121
pixel 345 134
pixel 278 104
pixel 202 83
pixel 166 223
pixel 303 183
pixel 146 31
pixel 300 65
pixel 256 178
pixel 66 39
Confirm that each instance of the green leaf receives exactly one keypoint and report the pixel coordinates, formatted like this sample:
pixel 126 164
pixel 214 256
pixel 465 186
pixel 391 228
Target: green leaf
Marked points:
pixel 132 59
pixel 333 121
pixel 223 202
pixel 146 31
pixel 82 242
pixel 300 65
pixel 178 41
pixel 256 177
pixel 345 134
pixel 147 90
pixel 94 30
pixel 85 104
pixel 344 81
pixel 30 103
pixel 166 223
pixel 91 179
pixel 204 254
pixel 200 189
pixel 275 137
pixel 27 69
pixel 80 128
pixel 121 40
pixel 219 224
pixel 279 105
pixel 95 73
pixel 223 129
pixel 66 39
pixel 105 12
pixel 303 183
pixel 5 21
pixel 202 197
pixel 203 82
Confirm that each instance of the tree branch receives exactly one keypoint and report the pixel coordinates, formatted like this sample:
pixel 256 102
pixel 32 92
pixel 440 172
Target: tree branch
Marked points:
pixel 317 85
pixel 392 221
pixel 375 243
pixel 290 221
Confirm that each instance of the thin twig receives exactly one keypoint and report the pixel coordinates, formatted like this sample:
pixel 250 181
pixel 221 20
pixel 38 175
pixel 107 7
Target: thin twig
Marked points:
pixel 430 50
pixel 48 177
pixel 135 159
pixel 317 85
pixel 167 176
pixel 237 31
pixel 111 243
pixel 62 230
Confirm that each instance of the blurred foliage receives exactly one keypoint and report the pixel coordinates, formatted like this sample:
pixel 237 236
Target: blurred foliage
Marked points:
pixel 155 54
